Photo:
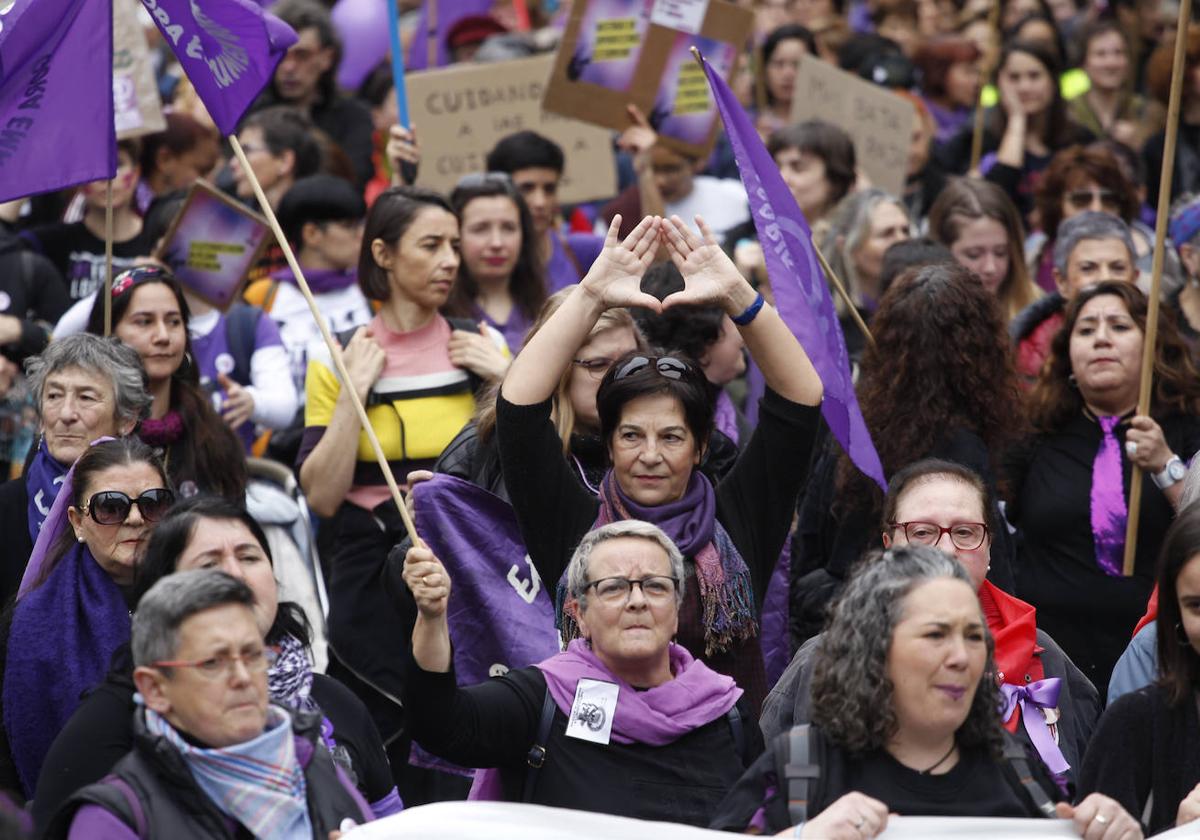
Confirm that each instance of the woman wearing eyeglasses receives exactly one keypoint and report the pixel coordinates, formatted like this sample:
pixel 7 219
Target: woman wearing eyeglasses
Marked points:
pixel 207 532
pixel 656 418
pixel 500 281
pixel 624 721
pixel 72 609
pixel 1047 700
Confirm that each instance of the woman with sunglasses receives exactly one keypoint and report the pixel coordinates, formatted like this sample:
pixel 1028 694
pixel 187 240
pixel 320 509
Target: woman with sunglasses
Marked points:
pixel 72 610
pixel 656 418
pixel 150 314
pixel 208 532
pixel 500 281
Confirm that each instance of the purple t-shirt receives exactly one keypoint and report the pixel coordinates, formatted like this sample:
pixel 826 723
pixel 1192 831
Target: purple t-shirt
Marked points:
pixel 561 271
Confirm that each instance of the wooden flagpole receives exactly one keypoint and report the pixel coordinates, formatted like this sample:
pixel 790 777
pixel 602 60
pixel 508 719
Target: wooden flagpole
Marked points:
pixel 334 350
pixel 977 131
pixel 1146 384
pixel 108 257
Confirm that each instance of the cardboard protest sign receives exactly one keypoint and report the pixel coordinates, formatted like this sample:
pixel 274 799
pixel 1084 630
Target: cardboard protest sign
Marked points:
pixel 878 121
pixel 460 112
pixel 620 52
pixel 213 243
pixel 137 108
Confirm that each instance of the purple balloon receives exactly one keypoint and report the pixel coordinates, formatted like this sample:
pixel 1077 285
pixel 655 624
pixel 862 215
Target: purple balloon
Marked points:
pixel 363 28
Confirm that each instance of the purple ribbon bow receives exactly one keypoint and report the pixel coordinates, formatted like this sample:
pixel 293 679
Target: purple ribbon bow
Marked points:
pixel 1042 694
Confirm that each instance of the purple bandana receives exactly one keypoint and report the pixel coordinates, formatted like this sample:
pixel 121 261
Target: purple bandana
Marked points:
pixel 1109 512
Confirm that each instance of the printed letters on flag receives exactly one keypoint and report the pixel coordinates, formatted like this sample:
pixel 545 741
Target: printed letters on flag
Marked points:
pixel 801 293
pixel 56 95
pixel 228 48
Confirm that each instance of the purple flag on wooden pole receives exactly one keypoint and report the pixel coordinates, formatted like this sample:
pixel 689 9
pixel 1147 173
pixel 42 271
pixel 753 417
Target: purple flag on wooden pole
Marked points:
pixel 228 48
pixel 56 95
pixel 500 615
pixel 801 293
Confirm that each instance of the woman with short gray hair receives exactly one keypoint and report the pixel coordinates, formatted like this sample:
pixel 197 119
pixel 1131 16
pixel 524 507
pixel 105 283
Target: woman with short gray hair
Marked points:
pixel 85 387
pixel 904 719
pixel 673 735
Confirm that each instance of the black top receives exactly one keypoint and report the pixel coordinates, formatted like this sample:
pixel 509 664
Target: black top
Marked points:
pixel 17 545
pixel 1144 748
pixel 755 501
pixel 494 724
pixel 1187 162
pixel 100 733
pixel 977 786
pixel 78 254
pixel 32 290
pixel 1089 613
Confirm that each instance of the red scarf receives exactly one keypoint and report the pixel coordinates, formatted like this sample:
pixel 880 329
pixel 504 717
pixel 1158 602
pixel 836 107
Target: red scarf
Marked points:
pixel 1013 624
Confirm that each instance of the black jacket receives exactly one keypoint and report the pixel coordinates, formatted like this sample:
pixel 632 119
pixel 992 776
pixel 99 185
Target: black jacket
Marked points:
pixel 31 290
pixel 169 802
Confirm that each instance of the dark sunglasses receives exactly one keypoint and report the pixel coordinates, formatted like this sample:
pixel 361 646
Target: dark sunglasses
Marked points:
pixel 667 366
pixel 111 507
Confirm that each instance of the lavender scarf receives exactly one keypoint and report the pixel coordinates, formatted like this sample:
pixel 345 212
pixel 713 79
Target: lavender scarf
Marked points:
pixel 320 281
pixel 696 695
pixel 726 594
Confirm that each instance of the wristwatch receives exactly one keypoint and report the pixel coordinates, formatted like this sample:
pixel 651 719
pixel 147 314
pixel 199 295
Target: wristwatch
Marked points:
pixel 1171 474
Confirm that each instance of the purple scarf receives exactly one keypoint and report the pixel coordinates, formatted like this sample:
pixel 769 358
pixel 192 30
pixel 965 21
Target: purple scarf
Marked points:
pixel 161 432
pixel 320 280
pixel 63 635
pixel 42 480
pixel 726 594
pixel 696 695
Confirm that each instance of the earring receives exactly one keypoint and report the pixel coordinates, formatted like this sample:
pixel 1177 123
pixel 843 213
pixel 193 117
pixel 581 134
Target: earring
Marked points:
pixel 79 538
pixel 1073 382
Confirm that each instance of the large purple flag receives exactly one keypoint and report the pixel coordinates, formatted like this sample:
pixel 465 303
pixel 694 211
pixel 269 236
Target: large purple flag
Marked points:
pixel 56 95
pixel 801 294
pixel 228 48
pixel 500 614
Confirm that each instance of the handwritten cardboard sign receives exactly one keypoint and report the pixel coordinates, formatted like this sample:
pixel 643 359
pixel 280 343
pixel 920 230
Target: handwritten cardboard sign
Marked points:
pixel 137 109
pixel 461 111
pixel 617 52
pixel 878 121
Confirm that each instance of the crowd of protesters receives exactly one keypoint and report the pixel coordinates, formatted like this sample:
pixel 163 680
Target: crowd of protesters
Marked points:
pixel 216 622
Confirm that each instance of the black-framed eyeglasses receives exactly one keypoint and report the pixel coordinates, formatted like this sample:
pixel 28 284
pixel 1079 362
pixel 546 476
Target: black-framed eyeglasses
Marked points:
pixel 595 368
pixel 616 590
pixel 966 536
pixel 111 507
pixel 667 366
pixel 1084 198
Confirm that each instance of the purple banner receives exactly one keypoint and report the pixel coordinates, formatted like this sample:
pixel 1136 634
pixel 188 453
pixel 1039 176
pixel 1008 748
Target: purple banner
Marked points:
pixel 801 293
pixel 229 49
pixel 500 615
pixel 56 96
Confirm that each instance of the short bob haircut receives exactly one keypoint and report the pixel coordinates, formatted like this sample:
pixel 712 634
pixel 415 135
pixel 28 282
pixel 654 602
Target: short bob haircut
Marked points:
pixel 319 199
pixel 691 389
pixel 172 601
pixel 965 200
pixel 105 358
pixel 525 150
pixel 825 141
pixel 1053 401
pixel 919 472
pixel 577 568
pixel 851 693
pixel 1074 166
pixel 1178 662
pixel 527 285
pixel 388 220
pixel 934 59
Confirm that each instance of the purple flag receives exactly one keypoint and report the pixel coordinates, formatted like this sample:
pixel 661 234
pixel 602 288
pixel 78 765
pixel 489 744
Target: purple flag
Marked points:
pixel 500 615
pixel 228 48
pixel 56 95
pixel 801 294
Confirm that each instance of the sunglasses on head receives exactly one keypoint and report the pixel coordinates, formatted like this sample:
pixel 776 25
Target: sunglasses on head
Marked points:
pixel 111 507
pixel 667 366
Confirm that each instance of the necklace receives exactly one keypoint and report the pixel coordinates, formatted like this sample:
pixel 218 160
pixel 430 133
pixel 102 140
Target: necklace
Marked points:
pixel 939 762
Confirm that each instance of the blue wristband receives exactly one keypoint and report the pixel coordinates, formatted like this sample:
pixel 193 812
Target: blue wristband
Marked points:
pixel 751 311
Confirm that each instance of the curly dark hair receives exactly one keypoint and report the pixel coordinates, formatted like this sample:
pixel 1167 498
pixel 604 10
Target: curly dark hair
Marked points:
pixel 1094 162
pixel 689 329
pixel 1054 401
pixel 941 361
pixel 851 692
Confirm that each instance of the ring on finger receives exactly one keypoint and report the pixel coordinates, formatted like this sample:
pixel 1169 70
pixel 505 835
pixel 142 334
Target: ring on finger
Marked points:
pixel 861 822
pixel 1131 447
pixel 1100 818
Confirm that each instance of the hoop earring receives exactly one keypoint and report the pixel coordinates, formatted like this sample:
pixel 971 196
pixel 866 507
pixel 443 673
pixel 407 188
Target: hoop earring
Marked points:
pixel 1073 382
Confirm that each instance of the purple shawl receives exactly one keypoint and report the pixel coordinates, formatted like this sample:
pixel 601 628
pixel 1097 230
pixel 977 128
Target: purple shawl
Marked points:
pixel 696 695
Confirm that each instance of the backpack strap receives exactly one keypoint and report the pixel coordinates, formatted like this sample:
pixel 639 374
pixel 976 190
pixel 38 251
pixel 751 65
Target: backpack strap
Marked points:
pixel 241 328
pixel 798 770
pixel 1014 754
pixel 537 752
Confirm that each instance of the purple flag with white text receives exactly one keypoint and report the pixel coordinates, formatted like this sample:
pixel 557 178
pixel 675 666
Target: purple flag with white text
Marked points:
pixel 56 95
pixel 500 614
pixel 228 48
pixel 801 293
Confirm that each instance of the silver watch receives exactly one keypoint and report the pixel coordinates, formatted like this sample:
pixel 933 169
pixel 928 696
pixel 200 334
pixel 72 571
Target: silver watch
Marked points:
pixel 1171 474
